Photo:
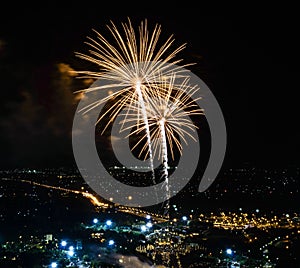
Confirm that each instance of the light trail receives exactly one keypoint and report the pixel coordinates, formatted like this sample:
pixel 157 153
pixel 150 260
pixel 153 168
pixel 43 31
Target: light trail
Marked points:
pixel 95 201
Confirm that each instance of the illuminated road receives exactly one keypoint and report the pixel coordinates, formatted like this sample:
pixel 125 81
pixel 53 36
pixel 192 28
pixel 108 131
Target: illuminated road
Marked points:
pixel 95 201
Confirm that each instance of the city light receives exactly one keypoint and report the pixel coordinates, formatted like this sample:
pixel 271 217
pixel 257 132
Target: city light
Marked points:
pixel 95 220
pixel 108 222
pixel 149 224
pixel 265 236
pixel 53 265
pixel 63 243
pixel 71 253
pixel 229 251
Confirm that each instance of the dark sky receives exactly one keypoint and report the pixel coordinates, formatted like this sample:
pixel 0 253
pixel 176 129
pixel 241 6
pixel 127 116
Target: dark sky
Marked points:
pixel 251 63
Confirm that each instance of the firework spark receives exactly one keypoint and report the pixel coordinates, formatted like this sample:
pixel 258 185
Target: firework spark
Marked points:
pixel 168 111
pixel 133 62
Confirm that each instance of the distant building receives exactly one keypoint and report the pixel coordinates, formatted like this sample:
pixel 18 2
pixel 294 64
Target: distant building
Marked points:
pixel 48 237
pixel 78 244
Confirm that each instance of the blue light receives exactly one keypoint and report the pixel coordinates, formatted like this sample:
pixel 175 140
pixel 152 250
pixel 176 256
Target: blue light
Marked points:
pixel 148 217
pixel 143 228
pixel 71 253
pixel 63 243
pixel 111 242
pixel 149 224
pixel 229 251
pixel 95 220
pixel 108 222
pixel 184 218
pixel 53 265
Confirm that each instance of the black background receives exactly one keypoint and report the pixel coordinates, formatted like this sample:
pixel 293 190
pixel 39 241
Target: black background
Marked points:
pixel 250 63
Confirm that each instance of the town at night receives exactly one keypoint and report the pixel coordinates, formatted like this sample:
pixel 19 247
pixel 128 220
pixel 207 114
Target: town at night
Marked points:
pixel 148 140
pixel 52 216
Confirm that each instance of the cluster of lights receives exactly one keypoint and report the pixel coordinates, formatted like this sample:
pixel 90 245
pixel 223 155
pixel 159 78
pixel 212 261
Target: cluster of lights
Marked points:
pixel 139 212
pixel 149 224
pixel 70 251
pixel 108 222
pixel 244 220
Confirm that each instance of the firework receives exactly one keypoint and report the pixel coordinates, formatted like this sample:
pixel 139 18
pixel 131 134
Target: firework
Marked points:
pixel 135 60
pixel 132 62
pixel 168 111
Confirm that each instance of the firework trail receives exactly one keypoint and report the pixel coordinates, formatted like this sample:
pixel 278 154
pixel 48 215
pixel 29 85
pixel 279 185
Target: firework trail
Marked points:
pixel 128 66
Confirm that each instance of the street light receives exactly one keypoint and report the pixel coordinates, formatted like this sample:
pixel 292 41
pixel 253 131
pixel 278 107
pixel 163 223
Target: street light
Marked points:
pixel 229 251
pixel 53 265
pixel 63 243
pixel 71 253
pixel 111 242
pixel 95 220
pixel 143 228
pixel 108 222
pixel 184 218
pixel 149 224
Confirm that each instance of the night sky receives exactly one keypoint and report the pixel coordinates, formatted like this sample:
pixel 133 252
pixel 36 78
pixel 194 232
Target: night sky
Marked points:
pixel 250 63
